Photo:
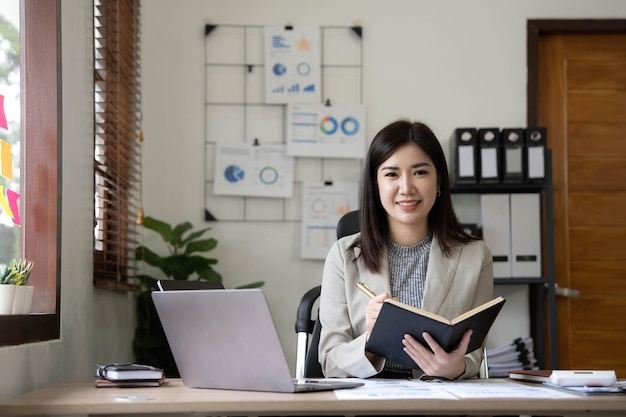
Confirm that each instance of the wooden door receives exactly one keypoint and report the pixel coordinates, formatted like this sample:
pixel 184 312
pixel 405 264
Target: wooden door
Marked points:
pixel 581 98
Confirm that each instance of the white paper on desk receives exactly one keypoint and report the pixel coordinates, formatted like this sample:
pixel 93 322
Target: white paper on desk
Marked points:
pixel 322 207
pixel 245 169
pixel 386 389
pixel 499 388
pixel 316 130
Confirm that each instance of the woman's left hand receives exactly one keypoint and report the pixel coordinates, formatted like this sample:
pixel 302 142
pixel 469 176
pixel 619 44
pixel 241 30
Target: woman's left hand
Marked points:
pixel 437 363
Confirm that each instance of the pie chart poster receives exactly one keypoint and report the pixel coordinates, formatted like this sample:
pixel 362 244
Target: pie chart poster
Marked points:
pixel 253 170
pixel 316 130
pixel 292 64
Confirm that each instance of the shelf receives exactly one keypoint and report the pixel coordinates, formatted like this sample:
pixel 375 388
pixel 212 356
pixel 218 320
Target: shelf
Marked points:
pixel 496 188
pixel 542 297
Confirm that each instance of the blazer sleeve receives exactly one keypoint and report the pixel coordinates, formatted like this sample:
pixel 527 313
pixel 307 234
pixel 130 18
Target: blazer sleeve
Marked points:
pixel 342 316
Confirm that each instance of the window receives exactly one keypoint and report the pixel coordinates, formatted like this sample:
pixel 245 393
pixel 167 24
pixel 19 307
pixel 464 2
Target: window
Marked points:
pixel 39 168
pixel 117 140
pixel 9 127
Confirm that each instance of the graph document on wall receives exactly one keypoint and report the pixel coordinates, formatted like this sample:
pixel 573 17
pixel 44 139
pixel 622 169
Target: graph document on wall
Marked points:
pixel 293 60
pixel 324 204
pixel 253 170
pixel 326 131
pixel 283 105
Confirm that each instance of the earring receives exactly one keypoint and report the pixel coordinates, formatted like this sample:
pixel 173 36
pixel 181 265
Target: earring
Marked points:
pixel 439 193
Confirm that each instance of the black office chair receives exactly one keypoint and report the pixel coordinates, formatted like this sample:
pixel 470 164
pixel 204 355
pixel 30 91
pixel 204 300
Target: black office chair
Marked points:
pixel 307 329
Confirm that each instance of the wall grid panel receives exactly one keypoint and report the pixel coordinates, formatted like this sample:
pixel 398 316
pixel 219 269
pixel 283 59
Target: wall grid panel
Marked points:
pixel 235 110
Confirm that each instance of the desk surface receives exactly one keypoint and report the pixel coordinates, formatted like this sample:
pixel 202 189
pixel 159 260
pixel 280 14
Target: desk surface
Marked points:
pixel 83 398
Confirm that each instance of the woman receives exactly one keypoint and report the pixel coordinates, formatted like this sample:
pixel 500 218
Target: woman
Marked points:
pixel 412 247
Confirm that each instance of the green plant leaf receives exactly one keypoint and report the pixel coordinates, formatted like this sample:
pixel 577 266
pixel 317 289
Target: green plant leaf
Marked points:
pixel 200 246
pixel 180 266
pixel 201 260
pixel 256 284
pixel 206 273
pixel 145 254
pixel 162 228
pixel 178 232
pixel 142 253
pixel 184 261
pixel 17 273
pixel 5 274
pixel 195 235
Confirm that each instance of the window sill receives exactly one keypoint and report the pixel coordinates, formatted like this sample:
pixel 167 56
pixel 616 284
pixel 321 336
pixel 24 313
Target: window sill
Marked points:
pixel 28 328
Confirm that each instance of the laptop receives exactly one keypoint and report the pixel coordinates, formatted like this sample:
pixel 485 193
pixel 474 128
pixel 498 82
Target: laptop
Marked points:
pixel 178 285
pixel 226 339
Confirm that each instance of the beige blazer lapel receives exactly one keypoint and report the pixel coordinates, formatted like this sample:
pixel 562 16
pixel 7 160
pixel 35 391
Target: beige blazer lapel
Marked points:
pixel 378 282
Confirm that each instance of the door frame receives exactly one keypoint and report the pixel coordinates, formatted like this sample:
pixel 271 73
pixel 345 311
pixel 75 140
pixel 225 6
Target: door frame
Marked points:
pixel 535 30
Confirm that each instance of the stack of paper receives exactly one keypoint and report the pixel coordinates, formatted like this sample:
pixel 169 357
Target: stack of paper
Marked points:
pixel 516 355
pixel 128 375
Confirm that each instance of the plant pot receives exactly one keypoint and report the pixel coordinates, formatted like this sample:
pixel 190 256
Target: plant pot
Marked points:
pixel 28 299
pixel 18 299
pixel 7 295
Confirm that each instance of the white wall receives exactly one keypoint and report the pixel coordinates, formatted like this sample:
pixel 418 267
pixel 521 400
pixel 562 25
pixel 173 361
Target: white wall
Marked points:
pixel 449 64
pixel 96 325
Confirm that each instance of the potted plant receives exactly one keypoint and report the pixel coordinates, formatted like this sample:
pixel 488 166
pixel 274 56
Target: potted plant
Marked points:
pixel 15 295
pixel 185 260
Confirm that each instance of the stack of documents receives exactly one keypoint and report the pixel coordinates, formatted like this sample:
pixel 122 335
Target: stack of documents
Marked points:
pixel 128 375
pixel 516 355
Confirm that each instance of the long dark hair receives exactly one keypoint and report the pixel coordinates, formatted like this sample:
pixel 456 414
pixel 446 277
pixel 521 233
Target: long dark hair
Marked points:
pixel 373 223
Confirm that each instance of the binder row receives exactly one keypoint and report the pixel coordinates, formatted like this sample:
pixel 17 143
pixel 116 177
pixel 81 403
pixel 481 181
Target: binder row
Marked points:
pixel 510 225
pixel 493 155
pixel 511 228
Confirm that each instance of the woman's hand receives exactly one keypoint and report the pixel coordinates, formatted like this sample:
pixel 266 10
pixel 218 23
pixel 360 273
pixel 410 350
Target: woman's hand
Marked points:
pixel 372 310
pixel 437 363
pixel 371 314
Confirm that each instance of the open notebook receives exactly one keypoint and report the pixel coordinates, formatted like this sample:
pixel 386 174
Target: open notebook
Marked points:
pixel 226 339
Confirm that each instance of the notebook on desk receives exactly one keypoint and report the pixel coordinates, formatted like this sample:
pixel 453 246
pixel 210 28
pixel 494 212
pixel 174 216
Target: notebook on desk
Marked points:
pixel 226 339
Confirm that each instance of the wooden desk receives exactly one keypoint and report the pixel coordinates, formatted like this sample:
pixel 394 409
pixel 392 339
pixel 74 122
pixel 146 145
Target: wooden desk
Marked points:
pixel 83 398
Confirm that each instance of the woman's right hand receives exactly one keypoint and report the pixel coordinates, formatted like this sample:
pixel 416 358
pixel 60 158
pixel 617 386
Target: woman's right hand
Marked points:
pixel 372 310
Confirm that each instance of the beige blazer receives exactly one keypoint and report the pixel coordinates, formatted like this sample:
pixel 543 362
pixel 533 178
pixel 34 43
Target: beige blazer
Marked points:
pixel 454 285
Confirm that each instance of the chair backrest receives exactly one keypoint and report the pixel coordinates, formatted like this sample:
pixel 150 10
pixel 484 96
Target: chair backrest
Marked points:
pixel 348 224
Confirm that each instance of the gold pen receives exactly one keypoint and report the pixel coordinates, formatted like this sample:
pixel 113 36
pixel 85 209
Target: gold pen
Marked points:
pixel 363 287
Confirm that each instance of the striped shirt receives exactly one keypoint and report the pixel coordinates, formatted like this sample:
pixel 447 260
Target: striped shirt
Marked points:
pixel 407 275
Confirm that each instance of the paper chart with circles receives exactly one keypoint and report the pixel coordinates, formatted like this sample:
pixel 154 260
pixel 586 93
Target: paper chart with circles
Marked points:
pixel 253 170
pixel 323 204
pixel 292 64
pixel 316 130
